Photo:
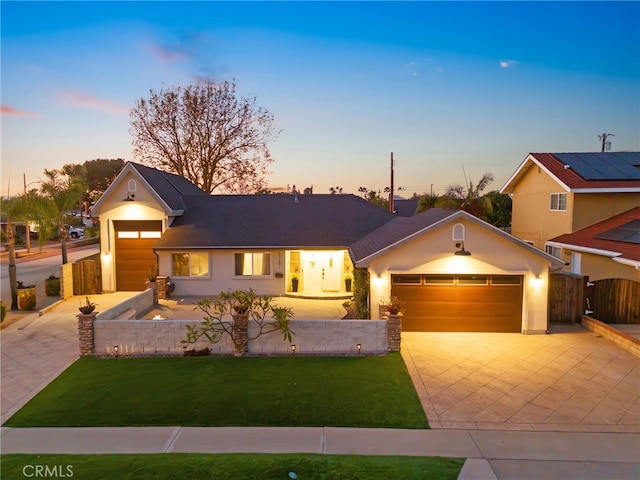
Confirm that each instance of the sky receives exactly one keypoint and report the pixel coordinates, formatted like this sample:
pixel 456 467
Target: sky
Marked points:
pixel 453 89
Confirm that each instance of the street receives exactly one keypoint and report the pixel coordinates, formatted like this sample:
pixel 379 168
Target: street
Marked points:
pixel 34 272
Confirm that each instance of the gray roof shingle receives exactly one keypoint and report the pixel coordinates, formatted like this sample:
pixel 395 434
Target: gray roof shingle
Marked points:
pixel 396 230
pixel 171 188
pixel 261 221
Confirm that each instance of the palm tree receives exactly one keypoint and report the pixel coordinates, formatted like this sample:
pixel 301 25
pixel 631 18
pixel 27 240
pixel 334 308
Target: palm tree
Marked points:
pixel 469 197
pixel 60 193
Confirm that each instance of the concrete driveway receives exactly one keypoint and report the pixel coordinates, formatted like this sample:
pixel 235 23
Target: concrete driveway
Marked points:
pixel 569 380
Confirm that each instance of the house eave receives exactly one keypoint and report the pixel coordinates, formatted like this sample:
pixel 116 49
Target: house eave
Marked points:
pixel 251 247
pixel 364 262
pixel 519 173
pixel 627 261
pixel 583 249
pixel 606 190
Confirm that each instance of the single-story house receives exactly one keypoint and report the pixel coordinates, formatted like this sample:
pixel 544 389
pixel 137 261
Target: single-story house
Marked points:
pixel 454 271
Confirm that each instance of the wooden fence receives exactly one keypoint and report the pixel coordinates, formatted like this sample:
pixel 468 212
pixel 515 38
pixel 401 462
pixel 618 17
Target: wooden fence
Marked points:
pixel 87 278
pixel 614 300
pixel 565 297
pixel 611 300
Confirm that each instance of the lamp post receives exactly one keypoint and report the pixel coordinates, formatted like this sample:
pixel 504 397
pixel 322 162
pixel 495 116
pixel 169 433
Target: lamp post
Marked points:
pixel 28 232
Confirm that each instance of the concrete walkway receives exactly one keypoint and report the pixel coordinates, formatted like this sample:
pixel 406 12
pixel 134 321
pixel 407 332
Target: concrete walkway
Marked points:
pixel 38 347
pixel 490 455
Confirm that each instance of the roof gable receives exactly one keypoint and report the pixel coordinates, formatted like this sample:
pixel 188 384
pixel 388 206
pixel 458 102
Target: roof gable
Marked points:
pixel 402 230
pixel 584 172
pixel 167 188
pixel 273 221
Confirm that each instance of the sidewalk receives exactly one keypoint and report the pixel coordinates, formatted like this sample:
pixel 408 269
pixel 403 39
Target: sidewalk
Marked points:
pixel 490 455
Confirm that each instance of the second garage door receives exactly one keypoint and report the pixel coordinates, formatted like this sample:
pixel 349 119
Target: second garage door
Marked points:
pixel 460 303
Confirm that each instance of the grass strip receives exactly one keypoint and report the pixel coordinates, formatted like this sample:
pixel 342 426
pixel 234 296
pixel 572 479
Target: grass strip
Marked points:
pixel 372 391
pixel 231 467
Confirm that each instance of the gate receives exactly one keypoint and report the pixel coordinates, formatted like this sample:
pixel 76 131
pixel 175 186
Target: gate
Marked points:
pixel 565 297
pixel 613 300
pixel 87 278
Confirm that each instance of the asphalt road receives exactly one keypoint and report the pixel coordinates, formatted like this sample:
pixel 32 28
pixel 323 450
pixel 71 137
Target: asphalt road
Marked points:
pixel 34 269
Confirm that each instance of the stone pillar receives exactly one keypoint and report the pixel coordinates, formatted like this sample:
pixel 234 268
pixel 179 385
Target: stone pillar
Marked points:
pixel 153 286
pixel 394 332
pixel 162 287
pixel 241 333
pixel 85 333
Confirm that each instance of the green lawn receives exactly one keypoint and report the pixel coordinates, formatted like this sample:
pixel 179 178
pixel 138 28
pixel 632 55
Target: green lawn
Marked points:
pixel 234 467
pixel 373 391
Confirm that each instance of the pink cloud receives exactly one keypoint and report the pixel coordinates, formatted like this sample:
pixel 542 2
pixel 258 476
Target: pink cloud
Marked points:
pixel 168 54
pixel 89 101
pixel 7 110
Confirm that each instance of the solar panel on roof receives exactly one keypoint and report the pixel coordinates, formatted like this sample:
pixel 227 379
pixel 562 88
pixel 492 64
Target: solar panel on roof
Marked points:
pixel 603 166
pixel 629 233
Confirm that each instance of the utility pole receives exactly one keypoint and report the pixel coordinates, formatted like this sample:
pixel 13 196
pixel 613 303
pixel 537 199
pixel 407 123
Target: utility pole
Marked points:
pixel 391 191
pixel 604 137
pixel 24 191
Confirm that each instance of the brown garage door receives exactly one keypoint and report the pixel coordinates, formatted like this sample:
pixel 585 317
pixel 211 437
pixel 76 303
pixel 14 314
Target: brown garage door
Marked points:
pixel 460 303
pixel 134 252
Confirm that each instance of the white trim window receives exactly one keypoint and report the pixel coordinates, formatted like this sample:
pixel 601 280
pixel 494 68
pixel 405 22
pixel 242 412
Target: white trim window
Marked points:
pixel 558 202
pixel 252 264
pixel 457 232
pixel 554 251
pixel 190 264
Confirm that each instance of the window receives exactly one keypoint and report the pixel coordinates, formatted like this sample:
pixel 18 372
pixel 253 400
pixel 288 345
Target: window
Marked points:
pixel 457 232
pixel 438 279
pixel 190 264
pixel 472 280
pixel 558 202
pixel 253 264
pixel 506 280
pixel 405 279
pixel 131 185
pixel 555 251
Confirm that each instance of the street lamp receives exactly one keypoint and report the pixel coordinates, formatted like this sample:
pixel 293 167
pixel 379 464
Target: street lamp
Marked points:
pixel 28 232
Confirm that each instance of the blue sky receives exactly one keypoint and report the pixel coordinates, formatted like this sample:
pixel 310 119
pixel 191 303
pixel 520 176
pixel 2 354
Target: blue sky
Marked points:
pixel 443 85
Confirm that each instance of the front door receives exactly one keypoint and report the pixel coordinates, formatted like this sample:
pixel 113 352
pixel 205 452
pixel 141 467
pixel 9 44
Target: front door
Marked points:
pixel 322 271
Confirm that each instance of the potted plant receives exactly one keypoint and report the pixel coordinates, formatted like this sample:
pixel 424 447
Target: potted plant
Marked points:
pixel 26 296
pixel 52 286
pixel 87 307
pixel 294 283
pixel 393 306
pixel 347 283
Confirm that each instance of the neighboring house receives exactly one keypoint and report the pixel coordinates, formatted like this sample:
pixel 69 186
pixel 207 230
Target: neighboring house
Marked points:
pixel 455 272
pixel 560 193
pixel 607 249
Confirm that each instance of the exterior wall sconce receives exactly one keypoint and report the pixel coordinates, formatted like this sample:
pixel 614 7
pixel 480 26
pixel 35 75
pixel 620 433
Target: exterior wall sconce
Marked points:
pixel 462 251
pixel 115 349
pixel 293 348
pixel 130 197
pixel 359 347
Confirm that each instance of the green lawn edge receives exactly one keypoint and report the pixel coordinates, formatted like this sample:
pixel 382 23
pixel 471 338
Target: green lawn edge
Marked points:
pixel 172 466
pixel 366 391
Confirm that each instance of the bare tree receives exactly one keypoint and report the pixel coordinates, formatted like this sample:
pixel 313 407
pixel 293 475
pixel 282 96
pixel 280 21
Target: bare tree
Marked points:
pixel 205 133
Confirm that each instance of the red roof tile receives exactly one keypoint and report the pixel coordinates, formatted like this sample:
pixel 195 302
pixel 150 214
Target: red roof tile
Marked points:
pixel 586 236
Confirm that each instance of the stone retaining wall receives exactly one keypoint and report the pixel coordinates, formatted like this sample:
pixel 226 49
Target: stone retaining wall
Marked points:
pixel 621 339
pixel 317 337
pixel 141 302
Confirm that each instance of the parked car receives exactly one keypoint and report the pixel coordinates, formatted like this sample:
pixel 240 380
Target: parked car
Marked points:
pixel 76 232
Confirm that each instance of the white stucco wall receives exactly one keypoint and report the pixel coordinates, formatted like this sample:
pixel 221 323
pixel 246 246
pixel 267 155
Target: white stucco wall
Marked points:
pixel 221 276
pixel 491 254
pixel 144 207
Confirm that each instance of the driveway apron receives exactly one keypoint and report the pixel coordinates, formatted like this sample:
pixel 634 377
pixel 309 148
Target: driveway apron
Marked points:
pixel 569 380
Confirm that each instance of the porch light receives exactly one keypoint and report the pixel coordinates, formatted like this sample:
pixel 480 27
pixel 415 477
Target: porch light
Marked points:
pixel 115 349
pixel 293 348
pixel 359 347
pixel 129 198
pixel 462 251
